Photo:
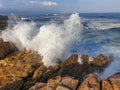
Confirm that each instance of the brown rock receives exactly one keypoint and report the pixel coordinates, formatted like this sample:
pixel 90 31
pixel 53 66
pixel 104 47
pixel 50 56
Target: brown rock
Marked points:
pixel 39 86
pixel 106 85
pixel 100 60
pixel 39 71
pixel 115 81
pixel 51 72
pixel 70 82
pixel 71 60
pixel 62 88
pixel 14 86
pixel 92 82
pixel 85 58
pixel 6 48
pixel 15 68
pixel 53 83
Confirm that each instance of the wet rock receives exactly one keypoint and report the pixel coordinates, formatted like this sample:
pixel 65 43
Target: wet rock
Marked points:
pixel 100 60
pixel 85 58
pixel 39 72
pixel 39 86
pixel 70 61
pixel 6 48
pixel 70 82
pixel 115 81
pixel 53 83
pixel 70 66
pixel 16 68
pixel 14 86
pixel 62 88
pixel 92 82
pixel 106 85
pixel 51 72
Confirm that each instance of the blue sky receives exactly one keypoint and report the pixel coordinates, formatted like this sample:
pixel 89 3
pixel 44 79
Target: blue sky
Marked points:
pixel 64 6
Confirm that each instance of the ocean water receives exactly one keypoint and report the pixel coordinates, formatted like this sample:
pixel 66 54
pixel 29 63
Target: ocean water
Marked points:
pixel 57 36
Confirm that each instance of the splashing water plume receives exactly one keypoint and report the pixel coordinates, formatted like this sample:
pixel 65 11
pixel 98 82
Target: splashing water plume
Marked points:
pixel 52 41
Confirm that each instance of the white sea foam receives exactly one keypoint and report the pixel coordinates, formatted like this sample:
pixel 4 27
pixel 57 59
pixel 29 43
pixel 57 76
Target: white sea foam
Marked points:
pixel 80 60
pixel 91 58
pixel 102 26
pixel 52 41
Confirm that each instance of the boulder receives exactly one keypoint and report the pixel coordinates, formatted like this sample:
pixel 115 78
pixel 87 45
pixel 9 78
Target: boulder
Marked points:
pixel 62 88
pixel 70 82
pixel 39 72
pixel 92 82
pixel 106 85
pixel 6 48
pixel 39 86
pixel 100 60
pixel 115 81
pixel 53 83
pixel 15 69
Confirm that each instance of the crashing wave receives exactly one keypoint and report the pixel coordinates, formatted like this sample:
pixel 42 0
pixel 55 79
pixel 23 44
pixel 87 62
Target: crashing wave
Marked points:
pixel 52 41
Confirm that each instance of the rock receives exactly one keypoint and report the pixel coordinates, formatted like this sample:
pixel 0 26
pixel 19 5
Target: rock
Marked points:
pixel 6 48
pixel 92 82
pixel 70 82
pixel 51 72
pixel 85 58
pixel 53 83
pixel 62 88
pixel 115 81
pixel 106 85
pixel 71 61
pixel 39 86
pixel 14 86
pixel 39 71
pixel 100 60
pixel 16 68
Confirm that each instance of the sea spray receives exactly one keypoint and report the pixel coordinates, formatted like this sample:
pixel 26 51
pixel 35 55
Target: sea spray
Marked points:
pixel 52 41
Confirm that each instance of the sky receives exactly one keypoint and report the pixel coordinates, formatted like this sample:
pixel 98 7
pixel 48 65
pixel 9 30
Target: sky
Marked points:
pixel 59 6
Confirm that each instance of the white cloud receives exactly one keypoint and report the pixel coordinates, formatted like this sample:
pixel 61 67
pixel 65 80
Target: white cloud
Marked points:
pixel 2 6
pixel 45 3
pixel 49 3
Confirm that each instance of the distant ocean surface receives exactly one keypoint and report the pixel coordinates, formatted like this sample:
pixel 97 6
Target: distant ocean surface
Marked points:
pixel 60 35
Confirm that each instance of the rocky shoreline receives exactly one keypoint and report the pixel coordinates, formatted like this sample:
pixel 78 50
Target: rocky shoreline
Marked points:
pixel 24 70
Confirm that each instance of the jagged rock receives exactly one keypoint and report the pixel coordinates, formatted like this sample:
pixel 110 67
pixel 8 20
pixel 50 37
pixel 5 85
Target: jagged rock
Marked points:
pixel 60 87
pixel 53 83
pixel 51 72
pixel 115 81
pixel 39 86
pixel 70 82
pixel 71 65
pixel 72 60
pixel 106 85
pixel 14 86
pixel 6 48
pixel 39 71
pixel 16 68
pixel 100 60
pixel 92 82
